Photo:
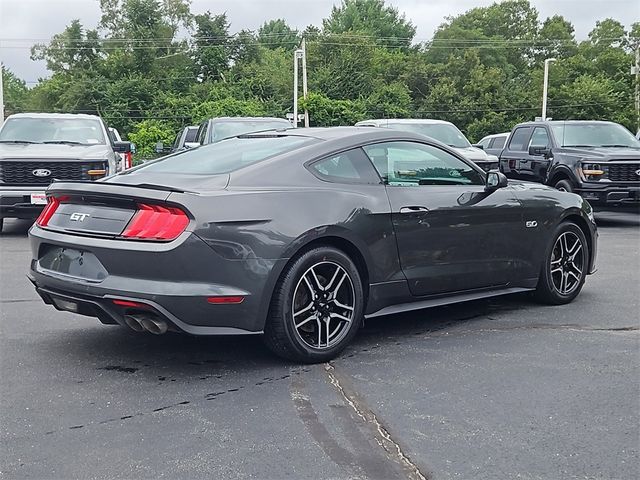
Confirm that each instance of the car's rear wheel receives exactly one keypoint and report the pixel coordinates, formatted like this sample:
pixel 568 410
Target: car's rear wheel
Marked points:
pixel 316 308
pixel 565 266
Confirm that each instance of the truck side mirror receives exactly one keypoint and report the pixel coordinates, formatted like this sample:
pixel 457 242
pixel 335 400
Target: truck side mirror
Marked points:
pixel 159 147
pixel 122 147
pixel 539 151
pixel 478 145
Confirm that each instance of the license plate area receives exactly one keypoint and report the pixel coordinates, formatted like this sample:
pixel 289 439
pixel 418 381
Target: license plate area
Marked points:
pixel 38 198
pixel 71 262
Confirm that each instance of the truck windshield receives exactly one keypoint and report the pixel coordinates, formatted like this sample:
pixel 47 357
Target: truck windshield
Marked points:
pixel 443 132
pixel 73 131
pixel 593 135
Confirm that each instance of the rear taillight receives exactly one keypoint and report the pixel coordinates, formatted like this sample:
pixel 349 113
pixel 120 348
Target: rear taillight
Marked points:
pixel 155 222
pixel 52 205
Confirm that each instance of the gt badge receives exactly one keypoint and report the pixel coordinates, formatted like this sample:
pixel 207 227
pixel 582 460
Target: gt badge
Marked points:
pixel 78 217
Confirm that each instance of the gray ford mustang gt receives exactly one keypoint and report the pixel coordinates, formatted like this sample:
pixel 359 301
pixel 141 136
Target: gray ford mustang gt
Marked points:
pixel 301 234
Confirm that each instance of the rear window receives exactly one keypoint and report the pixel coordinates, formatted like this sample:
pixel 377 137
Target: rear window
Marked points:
pixel 227 156
pixel 222 130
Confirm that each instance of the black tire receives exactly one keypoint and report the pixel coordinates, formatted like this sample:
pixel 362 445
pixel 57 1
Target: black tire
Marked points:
pixel 281 335
pixel 550 284
pixel 563 185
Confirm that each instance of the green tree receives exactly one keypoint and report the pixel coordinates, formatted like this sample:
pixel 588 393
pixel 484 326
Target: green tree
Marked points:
pixel 147 133
pixel 16 93
pixel 277 34
pixel 213 47
pixel 370 17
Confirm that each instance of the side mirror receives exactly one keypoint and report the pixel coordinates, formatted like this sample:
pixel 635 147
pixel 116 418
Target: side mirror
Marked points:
pixel 539 151
pixel 495 180
pixel 159 147
pixel 478 145
pixel 122 147
pixel 133 148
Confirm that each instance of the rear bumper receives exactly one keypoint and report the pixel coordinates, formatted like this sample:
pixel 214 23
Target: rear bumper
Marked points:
pixel 611 197
pixel 173 281
pixel 15 202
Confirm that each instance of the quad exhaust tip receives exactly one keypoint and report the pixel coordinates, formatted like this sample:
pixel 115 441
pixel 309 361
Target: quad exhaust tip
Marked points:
pixel 146 323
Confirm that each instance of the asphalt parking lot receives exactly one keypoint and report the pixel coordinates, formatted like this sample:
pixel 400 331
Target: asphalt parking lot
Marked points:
pixel 494 389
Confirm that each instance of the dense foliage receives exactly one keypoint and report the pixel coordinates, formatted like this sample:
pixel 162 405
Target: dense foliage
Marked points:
pixel 482 70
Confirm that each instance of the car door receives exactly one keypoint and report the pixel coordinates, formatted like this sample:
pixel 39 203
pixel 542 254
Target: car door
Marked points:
pixel 538 163
pixel 451 234
pixel 514 160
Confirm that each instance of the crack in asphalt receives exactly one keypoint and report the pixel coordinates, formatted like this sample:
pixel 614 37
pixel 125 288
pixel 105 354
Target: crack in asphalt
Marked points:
pixel 548 326
pixel 383 436
pixel 208 396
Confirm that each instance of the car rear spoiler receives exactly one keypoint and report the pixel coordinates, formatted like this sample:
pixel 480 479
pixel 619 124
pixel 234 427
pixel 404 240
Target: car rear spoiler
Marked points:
pixel 159 193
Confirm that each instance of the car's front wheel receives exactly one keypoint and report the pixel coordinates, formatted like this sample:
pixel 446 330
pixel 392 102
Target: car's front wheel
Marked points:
pixel 565 266
pixel 317 307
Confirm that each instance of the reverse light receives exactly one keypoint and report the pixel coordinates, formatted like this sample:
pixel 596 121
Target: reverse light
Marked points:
pixel 52 205
pixel 155 222
pixel 226 300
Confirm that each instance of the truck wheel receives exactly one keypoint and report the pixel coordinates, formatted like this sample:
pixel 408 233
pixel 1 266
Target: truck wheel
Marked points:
pixel 564 186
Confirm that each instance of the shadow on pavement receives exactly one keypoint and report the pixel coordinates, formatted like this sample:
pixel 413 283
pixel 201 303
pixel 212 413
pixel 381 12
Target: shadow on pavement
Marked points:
pixel 178 355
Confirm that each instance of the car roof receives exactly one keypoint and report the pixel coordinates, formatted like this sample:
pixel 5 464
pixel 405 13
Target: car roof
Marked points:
pixel 386 121
pixel 54 115
pixel 566 122
pixel 357 133
pixel 248 119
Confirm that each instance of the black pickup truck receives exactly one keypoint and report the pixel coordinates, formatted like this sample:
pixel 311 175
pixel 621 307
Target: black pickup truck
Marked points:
pixel 598 160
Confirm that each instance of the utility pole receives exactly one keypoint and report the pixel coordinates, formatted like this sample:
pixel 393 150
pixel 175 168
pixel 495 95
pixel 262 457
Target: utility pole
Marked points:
pixel 545 87
pixel 637 71
pixel 296 56
pixel 1 95
pixel 304 82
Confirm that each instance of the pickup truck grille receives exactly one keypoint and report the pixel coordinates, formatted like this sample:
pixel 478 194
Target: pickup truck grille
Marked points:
pixel 624 172
pixel 21 172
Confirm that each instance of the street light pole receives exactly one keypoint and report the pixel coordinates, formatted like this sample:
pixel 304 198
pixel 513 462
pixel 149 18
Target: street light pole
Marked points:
pixel 546 87
pixel 1 95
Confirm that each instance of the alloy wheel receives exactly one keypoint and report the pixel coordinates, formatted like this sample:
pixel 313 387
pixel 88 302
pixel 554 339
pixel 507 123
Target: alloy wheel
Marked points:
pixel 323 305
pixel 567 263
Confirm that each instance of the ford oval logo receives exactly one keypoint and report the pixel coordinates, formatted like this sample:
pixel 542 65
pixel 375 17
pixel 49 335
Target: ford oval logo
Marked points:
pixel 41 172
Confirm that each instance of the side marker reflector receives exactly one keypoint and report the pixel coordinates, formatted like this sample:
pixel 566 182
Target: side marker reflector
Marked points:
pixel 225 300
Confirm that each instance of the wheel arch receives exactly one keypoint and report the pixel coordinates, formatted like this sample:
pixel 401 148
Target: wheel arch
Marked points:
pixel 560 173
pixel 583 225
pixel 335 237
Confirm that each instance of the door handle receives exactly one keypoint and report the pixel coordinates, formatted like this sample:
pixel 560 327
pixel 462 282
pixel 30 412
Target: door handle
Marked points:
pixel 413 209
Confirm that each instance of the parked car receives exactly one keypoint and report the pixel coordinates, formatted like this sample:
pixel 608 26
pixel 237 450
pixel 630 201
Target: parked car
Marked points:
pixel 493 144
pixel 598 160
pixel 186 139
pixel 36 148
pixel 445 132
pixel 126 155
pixel 300 234
pixel 216 129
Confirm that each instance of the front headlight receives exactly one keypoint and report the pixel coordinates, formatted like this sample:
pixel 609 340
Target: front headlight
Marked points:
pixel 591 171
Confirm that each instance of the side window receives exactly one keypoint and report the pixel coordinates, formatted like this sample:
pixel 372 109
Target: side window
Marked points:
pixel 485 142
pixel 176 143
pixel 519 139
pixel 540 138
pixel 412 163
pixel 202 132
pixel 498 142
pixel 351 166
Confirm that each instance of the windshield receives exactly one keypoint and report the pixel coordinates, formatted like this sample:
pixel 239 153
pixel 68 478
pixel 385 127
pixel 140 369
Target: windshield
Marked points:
pixel 593 135
pixel 80 131
pixel 226 156
pixel 229 129
pixel 443 132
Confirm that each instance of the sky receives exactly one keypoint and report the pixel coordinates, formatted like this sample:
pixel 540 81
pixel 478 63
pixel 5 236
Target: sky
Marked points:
pixel 24 22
